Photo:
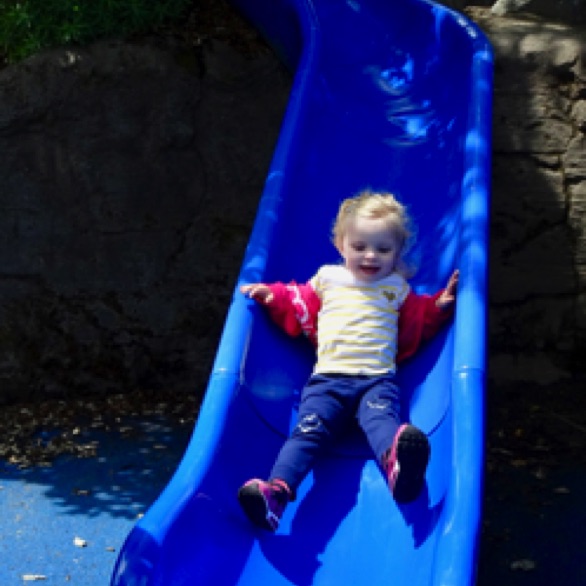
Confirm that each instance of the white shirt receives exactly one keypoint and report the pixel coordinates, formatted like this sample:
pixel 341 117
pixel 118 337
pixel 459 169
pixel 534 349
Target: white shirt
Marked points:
pixel 357 322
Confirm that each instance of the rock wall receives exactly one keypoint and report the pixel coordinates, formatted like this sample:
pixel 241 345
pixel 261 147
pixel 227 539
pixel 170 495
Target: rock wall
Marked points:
pixel 571 12
pixel 130 177
pixel 538 229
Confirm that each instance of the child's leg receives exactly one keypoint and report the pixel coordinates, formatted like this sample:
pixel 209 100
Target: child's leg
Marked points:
pixel 325 409
pixel 403 450
pixel 322 413
pixel 379 414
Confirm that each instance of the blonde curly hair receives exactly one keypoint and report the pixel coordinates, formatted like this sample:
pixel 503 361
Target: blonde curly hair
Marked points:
pixel 372 204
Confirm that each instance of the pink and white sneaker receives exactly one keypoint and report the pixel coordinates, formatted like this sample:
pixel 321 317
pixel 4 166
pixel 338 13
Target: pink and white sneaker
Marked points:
pixel 405 463
pixel 264 502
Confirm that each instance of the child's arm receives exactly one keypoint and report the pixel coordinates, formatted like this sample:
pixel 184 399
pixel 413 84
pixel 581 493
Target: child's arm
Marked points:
pixel 422 316
pixel 293 307
pixel 259 292
pixel 448 296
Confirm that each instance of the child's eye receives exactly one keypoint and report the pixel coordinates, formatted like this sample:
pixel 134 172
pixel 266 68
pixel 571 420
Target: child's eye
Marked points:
pixel 385 249
pixel 358 247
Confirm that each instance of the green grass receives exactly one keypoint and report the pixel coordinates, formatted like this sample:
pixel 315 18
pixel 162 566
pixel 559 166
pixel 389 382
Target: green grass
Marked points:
pixel 27 26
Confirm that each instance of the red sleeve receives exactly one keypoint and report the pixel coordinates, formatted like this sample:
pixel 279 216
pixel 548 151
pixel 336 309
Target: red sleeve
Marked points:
pixel 419 320
pixel 294 308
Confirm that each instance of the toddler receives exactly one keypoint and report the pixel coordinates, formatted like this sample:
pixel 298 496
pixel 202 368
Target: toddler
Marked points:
pixel 363 318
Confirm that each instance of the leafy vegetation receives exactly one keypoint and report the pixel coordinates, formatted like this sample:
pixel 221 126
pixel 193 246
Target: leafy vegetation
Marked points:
pixel 27 26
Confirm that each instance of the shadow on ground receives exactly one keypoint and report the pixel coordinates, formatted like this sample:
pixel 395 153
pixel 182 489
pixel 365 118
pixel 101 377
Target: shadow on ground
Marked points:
pixel 76 476
pixel 534 511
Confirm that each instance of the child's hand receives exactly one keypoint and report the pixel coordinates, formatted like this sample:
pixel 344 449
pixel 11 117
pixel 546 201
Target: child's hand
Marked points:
pixel 259 292
pixel 448 296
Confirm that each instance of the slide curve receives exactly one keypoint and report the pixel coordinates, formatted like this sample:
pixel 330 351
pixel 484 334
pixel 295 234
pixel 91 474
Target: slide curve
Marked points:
pixel 393 95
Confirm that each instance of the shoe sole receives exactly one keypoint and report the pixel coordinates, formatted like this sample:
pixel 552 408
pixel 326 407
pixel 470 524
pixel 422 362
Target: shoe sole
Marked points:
pixel 413 452
pixel 254 505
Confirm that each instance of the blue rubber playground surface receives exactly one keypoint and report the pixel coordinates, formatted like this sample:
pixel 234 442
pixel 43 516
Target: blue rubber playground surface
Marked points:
pixel 65 518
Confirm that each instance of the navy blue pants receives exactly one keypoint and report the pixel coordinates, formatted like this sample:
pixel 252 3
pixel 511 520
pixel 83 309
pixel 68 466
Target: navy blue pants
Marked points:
pixel 329 403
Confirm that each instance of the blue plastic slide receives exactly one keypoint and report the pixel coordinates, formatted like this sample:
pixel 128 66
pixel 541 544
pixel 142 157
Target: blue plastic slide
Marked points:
pixel 388 94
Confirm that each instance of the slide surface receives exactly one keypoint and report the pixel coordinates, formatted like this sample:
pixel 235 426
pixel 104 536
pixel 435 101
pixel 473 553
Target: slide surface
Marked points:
pixel 393 95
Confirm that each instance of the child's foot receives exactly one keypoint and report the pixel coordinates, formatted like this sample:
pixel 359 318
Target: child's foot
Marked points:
pixel 405 463
pixel 264 502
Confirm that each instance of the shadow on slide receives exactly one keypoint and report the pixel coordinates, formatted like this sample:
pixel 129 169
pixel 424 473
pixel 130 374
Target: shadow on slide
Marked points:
pixel 387 94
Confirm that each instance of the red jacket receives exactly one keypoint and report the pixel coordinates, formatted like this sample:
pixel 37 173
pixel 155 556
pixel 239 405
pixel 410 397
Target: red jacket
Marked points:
pixel 294 308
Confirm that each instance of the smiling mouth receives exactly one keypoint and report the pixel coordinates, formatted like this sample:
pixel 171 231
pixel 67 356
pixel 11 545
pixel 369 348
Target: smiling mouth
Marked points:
pixel 369 270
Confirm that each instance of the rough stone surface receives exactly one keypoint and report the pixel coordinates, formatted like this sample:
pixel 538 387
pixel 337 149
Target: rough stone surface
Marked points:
pixel 569 11
pixel 130 175
pixel 538 248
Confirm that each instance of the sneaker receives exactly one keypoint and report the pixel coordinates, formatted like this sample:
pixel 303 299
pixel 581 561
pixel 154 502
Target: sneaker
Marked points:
pixel 405 463
pixel 264 502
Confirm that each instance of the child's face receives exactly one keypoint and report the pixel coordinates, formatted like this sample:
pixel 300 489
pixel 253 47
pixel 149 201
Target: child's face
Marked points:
pixel 370 248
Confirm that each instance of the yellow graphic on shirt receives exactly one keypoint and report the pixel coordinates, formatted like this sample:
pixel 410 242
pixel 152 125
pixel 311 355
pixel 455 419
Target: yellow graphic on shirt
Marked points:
pixel 390 295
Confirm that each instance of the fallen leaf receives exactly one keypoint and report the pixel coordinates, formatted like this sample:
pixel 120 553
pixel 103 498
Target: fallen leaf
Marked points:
pixel 33 577
pixel 524 565
pixel 519 463
pixel 79 542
